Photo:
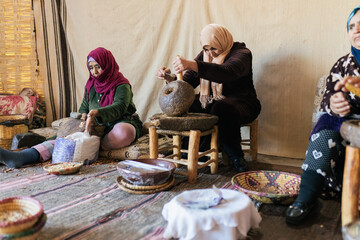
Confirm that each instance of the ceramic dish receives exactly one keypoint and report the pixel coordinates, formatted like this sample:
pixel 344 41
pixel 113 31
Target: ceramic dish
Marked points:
pixel 63 168
pixel 146 172
pixel 19 213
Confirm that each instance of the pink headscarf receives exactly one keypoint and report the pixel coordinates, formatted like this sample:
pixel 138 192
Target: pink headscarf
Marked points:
pixel 109 79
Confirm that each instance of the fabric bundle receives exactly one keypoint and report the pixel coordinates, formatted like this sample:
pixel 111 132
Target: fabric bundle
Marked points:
pixel 77 147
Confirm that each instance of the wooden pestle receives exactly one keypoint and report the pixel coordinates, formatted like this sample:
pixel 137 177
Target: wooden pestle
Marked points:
pixel 179 76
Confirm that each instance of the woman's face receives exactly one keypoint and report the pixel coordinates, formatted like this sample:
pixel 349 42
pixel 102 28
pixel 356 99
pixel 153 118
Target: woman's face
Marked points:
pixel 95 68
pixel 213 52
pixel 354 30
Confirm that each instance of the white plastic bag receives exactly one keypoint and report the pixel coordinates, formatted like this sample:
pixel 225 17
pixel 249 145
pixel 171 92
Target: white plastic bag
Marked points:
pixel 77 147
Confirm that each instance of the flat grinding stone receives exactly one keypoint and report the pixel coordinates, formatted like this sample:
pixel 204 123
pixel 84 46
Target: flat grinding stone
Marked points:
pixel 186 122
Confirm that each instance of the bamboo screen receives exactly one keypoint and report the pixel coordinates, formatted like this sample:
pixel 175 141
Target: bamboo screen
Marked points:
pixel 18 59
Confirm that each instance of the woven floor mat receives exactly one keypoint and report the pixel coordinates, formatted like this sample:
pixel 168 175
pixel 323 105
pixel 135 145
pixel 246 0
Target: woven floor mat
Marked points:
pixel 90 205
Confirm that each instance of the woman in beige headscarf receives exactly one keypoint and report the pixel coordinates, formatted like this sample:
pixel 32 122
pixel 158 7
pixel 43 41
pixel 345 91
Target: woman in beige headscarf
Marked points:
pixel 223 69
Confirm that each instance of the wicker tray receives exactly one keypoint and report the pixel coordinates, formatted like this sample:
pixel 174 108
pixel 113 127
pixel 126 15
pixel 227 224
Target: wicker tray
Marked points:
pixel 135 189
pixel 268 186
pixel 63 168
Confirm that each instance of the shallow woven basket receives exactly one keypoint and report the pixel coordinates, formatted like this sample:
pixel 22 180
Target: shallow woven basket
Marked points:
pixel 135 189
pixel 32 207
pixel 9 126
pixel 272 187
pixel 63 168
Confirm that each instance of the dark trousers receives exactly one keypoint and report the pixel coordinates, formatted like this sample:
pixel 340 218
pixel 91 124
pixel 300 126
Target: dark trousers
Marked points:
pixel 232 113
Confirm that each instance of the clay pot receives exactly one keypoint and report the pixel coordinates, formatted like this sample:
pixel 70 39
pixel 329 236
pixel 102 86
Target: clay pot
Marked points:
pixel 176 98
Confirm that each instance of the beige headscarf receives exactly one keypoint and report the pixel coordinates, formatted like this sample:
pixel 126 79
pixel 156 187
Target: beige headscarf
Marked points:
pixel 218 37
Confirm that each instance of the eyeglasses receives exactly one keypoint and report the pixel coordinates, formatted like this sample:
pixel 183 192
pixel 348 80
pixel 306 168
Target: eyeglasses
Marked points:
pixel 212 49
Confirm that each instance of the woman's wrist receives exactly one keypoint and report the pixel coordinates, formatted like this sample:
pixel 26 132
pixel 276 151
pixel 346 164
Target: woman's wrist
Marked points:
pixel 193 65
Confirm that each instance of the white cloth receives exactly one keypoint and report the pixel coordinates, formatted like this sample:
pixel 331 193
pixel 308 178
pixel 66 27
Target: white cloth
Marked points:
pixel 231 219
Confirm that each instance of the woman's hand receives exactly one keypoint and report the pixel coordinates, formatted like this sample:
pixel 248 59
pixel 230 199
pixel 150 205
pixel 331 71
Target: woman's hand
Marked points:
pixel 83 116
pixel 339 105
pixel 164 73
pixel 90 119
pixel 181 64
pixel 354 80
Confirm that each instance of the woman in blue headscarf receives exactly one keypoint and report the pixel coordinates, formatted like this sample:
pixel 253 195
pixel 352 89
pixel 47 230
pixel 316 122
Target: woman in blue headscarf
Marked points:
pixel 325 155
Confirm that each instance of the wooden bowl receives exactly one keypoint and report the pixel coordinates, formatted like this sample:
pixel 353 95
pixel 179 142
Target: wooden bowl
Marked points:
pixel 268 186
pixel 19 213
pixel 146 172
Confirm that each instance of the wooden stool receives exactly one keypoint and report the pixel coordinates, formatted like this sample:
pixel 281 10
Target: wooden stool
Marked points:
pixel 193 151
pixel 252 142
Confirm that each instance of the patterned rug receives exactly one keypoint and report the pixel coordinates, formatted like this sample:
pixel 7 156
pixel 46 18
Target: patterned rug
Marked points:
pixel 89 204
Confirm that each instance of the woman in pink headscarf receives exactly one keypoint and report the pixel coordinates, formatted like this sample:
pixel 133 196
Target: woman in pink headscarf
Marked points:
pixel 107 102
pixel 223 69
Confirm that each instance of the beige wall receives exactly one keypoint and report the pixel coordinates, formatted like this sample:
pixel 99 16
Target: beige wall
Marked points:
pixel 293 44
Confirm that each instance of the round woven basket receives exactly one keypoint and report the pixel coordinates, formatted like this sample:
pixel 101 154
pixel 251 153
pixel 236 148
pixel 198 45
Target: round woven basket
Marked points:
pixel 31 233
pixel 9 126
pixel 127 187
pixel 18 214
pixel 63 168
pixel 272 187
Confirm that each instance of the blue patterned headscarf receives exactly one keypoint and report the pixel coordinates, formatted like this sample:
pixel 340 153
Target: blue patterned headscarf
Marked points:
pixel 354 51
pixel 351 16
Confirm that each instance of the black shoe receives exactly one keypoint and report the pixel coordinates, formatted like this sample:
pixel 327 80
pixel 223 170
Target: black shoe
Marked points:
pixel 297 213
pixel 240 164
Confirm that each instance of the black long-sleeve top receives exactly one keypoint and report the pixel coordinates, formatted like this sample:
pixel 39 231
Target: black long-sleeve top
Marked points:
pixel 235 74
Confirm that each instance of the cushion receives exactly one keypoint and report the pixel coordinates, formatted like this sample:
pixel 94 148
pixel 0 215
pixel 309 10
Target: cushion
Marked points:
pixel 319 93
pixel 58 123
pixel 47 132
pixel 16 104
pixel 136 150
